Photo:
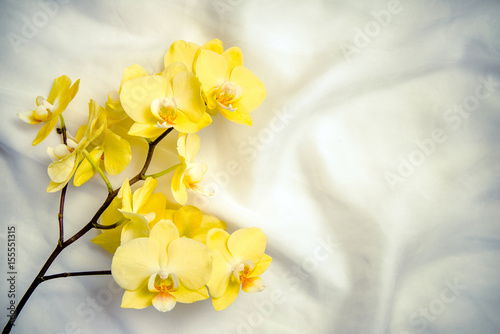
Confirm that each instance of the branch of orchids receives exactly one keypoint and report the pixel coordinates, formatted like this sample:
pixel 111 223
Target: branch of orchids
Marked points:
pixel 111 195
pixel 40 277
pixel 152 146
pixel 99 170
pixel 76 273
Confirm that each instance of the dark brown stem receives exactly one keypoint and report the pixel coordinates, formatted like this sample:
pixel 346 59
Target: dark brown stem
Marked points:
pixel 76 273
pixel 60 216
pixel 112 226
pixel 152 146
pixel 91 224
pixel 64 134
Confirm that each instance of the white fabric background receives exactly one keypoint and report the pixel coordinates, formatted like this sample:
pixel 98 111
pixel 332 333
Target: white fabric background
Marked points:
pixel 352 253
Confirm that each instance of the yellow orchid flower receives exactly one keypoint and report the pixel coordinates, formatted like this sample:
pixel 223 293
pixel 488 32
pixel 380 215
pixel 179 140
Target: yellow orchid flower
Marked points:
pixel 61 171
pixel 162 270
pixel 114 109
pixel 192 223
pixel 48 110
pixel 170 99
pixel 189 173
pixel 142 211
pixel 228 86
pixel 137 210
pixel 238 259
pixel 112 151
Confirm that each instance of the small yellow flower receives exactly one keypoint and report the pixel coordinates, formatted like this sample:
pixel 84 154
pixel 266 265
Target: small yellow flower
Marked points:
pixel 192 223
pixel 227 86
pixel 48 110
pixel 238 260
pixel 61 171
pixel 162 270
pixel 114 110
pixel 142 211
pixel 189 173
pixel 170 99
pixel 112 151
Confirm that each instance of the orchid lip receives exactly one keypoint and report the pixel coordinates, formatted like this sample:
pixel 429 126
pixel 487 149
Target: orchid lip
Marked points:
pixel 48 105
pixel 228 108
pixel 163 125
pixel 165 111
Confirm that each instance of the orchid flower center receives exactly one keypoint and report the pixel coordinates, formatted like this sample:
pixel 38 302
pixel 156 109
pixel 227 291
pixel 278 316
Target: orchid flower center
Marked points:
pixel 194 172
pixel 228 94
pixel 44 111
pixel 242 269
pixel 61 151
pixel 165 111
pixel 163 281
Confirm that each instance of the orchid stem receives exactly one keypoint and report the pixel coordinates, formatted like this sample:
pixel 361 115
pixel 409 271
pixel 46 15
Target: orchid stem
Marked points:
pixel 76 273
pixel 63 129
pixel 99 170
pixel 166 171
pixel 60 215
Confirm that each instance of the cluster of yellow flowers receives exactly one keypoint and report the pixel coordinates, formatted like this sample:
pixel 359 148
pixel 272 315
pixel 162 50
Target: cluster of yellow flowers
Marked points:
pixel 162 253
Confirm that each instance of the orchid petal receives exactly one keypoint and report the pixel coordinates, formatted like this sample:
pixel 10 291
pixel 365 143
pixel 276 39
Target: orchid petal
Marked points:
pixel 164 302
pixel 186 296
pixel 247 244
pixel 254 91
pixel 253 284
pixel 221 273
pixel 229 296
pixel 188 220
pixel 135 262
pixel 187 94
pixel 181 51
pixel 190 260
pixel 164 232
pixel 211 69
pixel 146 130
pixel 137 95
pixel 85 170
pixel 217 239
pixel 261 266
pixel 234 57
pixel 138 299
pixel 142 195
pixel 117 153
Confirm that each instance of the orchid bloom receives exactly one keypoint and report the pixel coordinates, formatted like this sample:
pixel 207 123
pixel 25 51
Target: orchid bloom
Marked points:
pixel 170 99
pixel 48 110
pixel 189 173
pixel 227 86
pixel 162 270
pixel 141 211
pixel 114 109
pixel 113 152
pixel 70 156
pixel 192 223
pixel 238 259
